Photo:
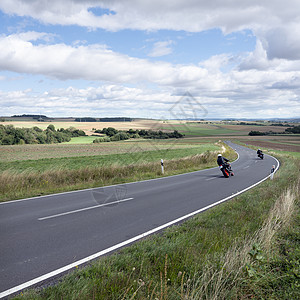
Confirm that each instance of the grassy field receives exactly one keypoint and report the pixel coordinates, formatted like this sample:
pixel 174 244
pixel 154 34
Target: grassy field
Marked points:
pixel 247 248
pixel 32 177
pixel 118 159
pixel 81 140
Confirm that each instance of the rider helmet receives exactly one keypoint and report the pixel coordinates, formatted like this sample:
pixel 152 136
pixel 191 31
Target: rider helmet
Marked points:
pixel 219 154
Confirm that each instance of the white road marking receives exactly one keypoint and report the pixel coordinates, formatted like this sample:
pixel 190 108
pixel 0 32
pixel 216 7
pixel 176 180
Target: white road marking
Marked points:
pixel 246 167
pixel 210 178
pixel 83 209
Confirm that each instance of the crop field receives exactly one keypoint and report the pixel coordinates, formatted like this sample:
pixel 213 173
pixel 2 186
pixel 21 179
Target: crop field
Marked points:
pixel 108 159
pixel 30 170
pixel 290 143
pixel 199 129
pixel 87 126
pixel 11 153
pixel 218 129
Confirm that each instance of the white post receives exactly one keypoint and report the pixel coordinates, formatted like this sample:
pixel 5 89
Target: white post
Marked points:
pixel 162 166
pixel 272 172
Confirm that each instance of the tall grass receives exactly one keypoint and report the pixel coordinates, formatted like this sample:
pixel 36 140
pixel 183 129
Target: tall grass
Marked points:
pixel 243 249
pixel 15 184
pixel 237 265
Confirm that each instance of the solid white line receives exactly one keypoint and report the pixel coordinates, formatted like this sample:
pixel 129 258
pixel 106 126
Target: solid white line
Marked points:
pixel 122 244
pixel 106 186
pixel 83 209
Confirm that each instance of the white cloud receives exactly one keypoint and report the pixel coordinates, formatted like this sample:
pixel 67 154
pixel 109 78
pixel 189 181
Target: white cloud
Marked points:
pixel 256 85
pixel 114 100
pixel 230 86
pixel 161 49
pixel 274 22
pixel 91 62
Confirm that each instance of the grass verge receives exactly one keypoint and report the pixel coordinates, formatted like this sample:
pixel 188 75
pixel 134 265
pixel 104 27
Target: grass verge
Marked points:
pixel 243 249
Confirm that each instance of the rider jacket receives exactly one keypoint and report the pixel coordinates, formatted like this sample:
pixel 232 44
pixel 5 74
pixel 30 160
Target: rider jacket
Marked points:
pixel 221 160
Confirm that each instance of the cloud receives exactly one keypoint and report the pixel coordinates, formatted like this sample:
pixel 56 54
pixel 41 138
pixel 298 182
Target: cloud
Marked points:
pixel 161 49
pixel 91 62
pixel 275 23
pixel 258 83
pixel 244 99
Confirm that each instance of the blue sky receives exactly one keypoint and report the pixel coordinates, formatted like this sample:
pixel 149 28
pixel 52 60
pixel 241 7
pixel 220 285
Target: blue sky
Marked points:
pixel 137 58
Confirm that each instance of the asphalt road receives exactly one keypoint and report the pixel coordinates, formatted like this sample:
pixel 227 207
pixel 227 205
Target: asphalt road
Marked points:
pixel 45 234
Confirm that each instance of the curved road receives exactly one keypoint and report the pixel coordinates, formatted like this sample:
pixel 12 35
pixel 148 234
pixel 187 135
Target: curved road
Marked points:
pixel 44 236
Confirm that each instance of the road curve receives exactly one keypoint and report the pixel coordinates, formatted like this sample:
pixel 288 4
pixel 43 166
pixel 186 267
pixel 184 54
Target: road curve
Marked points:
pixel 45 236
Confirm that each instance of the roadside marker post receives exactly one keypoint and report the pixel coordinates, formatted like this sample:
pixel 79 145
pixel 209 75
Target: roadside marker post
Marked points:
pixel 272 172
pixel 162 166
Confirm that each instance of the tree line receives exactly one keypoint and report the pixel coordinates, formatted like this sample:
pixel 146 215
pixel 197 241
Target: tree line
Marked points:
pixel 117 119
pixel 112 134
pixel 10 135
pixel 293 130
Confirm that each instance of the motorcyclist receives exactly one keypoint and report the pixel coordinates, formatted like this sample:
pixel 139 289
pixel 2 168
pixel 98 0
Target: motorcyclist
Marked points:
pixel 224 161
pixel 221 160
pixel 259 152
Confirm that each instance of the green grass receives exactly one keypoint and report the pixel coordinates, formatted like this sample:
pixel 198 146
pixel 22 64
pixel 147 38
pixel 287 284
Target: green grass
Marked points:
pixel 73 163
pixel 28 178
pixel 215 255
pixel 45 151
pixel 81 140
pixel 289 153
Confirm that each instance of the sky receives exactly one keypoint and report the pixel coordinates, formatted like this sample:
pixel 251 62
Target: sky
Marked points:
pixel 150 59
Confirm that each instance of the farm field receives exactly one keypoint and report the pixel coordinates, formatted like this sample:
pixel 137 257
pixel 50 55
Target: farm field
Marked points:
pixel 192 129
pixel 30 170
pixel 86 126
pixel 34 152
pixel 281 142
pixel 219 129
pixel 111 158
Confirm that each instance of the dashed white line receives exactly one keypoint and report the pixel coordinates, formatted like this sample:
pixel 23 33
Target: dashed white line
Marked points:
pixel 83 209
pixel 207 179
pixel 246 167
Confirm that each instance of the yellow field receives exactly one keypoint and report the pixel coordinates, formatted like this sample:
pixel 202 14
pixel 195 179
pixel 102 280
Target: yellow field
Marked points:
pixel 88 126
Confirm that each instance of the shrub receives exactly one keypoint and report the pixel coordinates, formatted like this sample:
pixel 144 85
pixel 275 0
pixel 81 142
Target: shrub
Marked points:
pixel 101 140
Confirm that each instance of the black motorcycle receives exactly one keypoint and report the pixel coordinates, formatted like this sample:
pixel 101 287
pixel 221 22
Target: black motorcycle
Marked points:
pixel 226 170
pixel 260 155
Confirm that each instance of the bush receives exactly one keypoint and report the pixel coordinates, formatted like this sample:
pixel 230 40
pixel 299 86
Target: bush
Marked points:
pixel 101 140
pixel 295 129
pixel 253 133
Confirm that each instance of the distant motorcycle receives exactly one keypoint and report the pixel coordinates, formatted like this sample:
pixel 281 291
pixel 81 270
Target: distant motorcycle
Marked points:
pixel 260 155
pixel 226 170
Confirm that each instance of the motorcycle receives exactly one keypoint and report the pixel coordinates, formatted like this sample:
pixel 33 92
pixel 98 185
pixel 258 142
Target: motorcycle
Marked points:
pixel 226 170
pixel 260 155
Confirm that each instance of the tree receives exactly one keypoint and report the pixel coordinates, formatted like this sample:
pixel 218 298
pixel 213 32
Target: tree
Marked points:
pixel 51 127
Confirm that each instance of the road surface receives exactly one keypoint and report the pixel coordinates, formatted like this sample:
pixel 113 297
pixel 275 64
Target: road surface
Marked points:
pixel 45 236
